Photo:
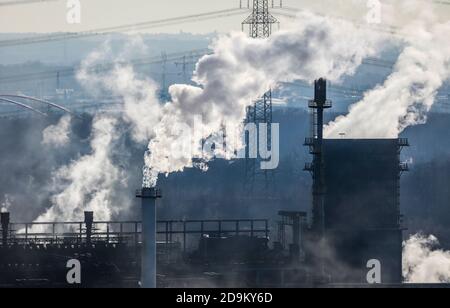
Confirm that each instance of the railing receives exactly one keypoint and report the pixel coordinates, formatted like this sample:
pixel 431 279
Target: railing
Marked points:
pixel 73 232
pixel 309 141
pixel 129 232
pixel 404 167
pixel 309 167
pixel 314 104
pixel 403 142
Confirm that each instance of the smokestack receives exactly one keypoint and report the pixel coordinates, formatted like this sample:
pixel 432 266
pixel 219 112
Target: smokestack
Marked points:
pixel 5 227
pixel 88 221
pixel 148 266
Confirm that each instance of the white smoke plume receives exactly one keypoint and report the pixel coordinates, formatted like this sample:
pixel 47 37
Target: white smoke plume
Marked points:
pixel 88 183
pixel 409 92
pixel 57 135
pixel 240 70
pixel 424 262
pixel 6 204
pixel 141 106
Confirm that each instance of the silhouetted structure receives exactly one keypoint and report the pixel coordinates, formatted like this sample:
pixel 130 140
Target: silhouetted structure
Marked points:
pixel 356 202
pixel 260 27
pixel 362 218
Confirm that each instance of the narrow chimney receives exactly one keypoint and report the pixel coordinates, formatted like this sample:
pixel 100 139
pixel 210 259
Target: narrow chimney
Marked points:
pixel 88 221
pixel 5 227
pixel 148 266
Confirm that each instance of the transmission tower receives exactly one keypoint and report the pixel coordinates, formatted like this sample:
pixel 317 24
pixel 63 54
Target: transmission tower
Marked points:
pixel 164 95
pixel 185 65
pixel 259 24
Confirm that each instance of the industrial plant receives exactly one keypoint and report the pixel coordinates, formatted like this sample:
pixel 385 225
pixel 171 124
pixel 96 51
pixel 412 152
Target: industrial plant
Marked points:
pixel 355 218
pixel 337 177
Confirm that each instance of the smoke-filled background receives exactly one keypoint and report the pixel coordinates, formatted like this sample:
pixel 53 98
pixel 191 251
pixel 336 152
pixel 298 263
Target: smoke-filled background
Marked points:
pixel 54 169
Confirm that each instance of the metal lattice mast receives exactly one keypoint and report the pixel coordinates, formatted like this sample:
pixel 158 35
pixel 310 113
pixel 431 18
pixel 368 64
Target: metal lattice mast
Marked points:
pixel 163 92
pixel 184 64
pixel 260 24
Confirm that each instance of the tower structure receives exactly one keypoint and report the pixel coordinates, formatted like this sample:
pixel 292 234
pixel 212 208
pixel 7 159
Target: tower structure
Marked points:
pixel 164 95
pixel 185 65
pixel 260 24
pixel 356 203
pixel 149 197
pixel 315 143
pixel 5 227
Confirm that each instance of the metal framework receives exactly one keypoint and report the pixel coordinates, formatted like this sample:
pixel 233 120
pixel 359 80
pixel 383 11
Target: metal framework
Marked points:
pixel 23 106
pixel 260 21
pixel 296 221
pixel 185 66
pixel 164 95
pixel 315 143
pixel 260 24
pixel 90 232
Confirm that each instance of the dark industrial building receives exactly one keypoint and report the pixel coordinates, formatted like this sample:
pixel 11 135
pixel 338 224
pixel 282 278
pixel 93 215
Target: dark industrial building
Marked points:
pixel 362 206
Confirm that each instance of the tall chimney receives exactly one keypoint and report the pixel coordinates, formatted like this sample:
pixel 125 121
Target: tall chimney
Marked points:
pixel 148 262
pixel 88 221
pixel 5 227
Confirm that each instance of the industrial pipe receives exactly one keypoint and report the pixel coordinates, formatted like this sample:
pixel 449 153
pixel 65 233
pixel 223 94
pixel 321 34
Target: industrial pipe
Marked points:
pixel 5 227
pixel 88 221
pixel 148 262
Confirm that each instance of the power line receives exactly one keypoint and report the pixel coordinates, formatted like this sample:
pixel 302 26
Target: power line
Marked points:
pixel 123 28
pixel 22 2
pixel 178 56
pixel 104 67
pixel 388 29
pixel 260 27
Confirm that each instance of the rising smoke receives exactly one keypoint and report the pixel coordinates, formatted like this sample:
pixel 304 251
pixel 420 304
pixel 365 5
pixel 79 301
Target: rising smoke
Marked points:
pixel 94 181
pixel 6 204
pixel 88 183
pixel 424 262
pixel 228 81
pixel 240 69
pixel 410 91
pixel 57 135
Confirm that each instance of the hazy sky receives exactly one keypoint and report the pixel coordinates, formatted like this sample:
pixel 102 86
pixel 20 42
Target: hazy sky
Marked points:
pixel 51 16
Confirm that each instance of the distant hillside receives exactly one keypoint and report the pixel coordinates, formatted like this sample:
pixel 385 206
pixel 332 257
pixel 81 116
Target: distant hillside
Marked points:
pixel 74 50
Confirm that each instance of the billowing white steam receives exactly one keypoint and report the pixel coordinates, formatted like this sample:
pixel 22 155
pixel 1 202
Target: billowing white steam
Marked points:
pixel 239 71
pixel 410 91
pixel 88 183
pixel 423 262
pixel 141 106
pixel 57 135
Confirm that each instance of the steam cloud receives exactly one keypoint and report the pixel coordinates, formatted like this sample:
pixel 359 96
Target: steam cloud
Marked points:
pixel 236 74
pixel 89 182
pixel 57 135
pixel 239 71
pixel 410 91
pixel 423 262
pixel 228 81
